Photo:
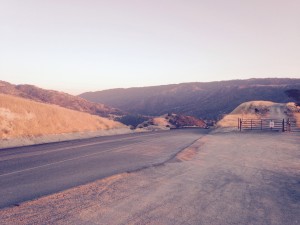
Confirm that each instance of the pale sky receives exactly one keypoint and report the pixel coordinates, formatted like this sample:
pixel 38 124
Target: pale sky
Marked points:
pixel 87 45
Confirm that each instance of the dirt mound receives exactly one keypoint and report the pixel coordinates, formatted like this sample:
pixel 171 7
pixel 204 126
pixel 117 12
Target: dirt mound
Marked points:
pixel 261 110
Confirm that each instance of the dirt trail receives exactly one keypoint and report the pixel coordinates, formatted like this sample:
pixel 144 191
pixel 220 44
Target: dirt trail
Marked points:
pixel 224 178
pixel 278 111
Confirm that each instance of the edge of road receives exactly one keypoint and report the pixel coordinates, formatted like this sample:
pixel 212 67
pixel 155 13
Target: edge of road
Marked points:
pixel 172 159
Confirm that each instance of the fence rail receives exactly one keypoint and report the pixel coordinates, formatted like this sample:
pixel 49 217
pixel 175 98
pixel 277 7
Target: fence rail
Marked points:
pixel 268 125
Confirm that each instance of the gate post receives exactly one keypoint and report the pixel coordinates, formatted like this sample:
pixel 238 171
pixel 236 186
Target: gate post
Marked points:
pixel 261 124
pixel 241 123
pixel 283 126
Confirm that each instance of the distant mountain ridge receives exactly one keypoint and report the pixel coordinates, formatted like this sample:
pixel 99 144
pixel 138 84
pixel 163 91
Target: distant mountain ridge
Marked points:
pixel 208 100
pixel 58 98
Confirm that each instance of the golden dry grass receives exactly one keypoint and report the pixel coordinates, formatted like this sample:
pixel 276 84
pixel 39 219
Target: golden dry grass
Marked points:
pixel 249 107
pixel 20 117
pixel 297 117
pixel 161 121
pixel 231 120
pixel 296 112
pixel 245 110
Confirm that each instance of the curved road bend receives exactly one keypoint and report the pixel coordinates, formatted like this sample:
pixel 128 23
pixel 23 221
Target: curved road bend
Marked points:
pixel 30 172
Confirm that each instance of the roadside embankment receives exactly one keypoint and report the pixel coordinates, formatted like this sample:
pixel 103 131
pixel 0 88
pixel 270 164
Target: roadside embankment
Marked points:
pixel 25 122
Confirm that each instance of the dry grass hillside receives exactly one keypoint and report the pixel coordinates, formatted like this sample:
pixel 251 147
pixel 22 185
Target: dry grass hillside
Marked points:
pixel 260 110
pixel 59 98
pixel 21 117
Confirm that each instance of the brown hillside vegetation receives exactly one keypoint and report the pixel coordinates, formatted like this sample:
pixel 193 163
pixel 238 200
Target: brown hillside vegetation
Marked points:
pixel 173 120
pixel 205 100
pixel 58 98
pixel 260 110
pixel 20 117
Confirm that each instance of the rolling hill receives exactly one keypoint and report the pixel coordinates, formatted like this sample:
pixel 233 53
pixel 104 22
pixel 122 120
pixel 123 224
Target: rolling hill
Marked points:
pixel 209 100
pixel 23 118
pixel 261 110
pixel 59 98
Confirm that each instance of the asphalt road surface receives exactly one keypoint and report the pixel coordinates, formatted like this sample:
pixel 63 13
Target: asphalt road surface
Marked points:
pixel 30 172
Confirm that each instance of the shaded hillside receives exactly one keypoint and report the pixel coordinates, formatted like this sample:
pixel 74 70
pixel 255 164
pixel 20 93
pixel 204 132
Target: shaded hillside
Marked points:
pixel 58 98
pixel 203 100
pixel 26 118
pixel 132 119
pixel 172 120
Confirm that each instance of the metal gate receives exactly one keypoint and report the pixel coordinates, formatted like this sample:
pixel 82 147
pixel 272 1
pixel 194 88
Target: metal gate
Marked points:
pixel 282 125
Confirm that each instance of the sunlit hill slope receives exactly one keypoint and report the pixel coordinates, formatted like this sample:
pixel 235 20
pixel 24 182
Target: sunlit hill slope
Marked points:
pixel 25 118
pixel 59 98
pixel 261 110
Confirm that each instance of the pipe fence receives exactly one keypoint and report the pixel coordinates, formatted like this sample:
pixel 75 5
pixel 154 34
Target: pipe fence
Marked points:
pixel 283 125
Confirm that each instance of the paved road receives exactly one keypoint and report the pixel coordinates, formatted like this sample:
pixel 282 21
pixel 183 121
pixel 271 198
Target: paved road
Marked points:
pixel 30 172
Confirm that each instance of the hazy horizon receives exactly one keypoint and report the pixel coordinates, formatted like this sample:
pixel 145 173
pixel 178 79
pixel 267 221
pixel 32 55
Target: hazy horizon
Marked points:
pixel 78 93
pixel 78 46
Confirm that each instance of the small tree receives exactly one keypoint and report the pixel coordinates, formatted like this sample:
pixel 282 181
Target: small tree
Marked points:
pixel 294 94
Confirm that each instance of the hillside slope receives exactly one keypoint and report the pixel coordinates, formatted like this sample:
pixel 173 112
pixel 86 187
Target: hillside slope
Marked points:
pixel 26 118
pixel 168 121
pixel 261 110
pixel 203 100
pixel 58 98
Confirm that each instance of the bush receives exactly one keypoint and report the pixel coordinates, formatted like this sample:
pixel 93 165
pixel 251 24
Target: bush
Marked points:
pixel 294 94
pixel 132 120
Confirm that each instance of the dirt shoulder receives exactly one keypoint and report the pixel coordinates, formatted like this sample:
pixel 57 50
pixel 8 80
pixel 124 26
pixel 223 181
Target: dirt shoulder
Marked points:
pixel 224 178
pixel 51 138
